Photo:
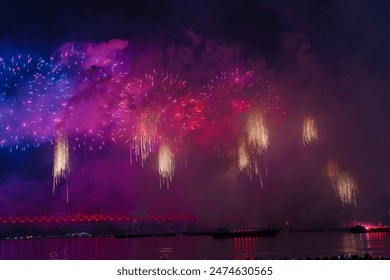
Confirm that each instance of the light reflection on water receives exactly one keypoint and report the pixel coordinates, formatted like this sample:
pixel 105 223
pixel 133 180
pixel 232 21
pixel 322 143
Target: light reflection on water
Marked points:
pixel 375 243
pixel 285 245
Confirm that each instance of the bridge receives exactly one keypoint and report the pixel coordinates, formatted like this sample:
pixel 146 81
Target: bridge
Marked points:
pixel 46 216
pixel 82 218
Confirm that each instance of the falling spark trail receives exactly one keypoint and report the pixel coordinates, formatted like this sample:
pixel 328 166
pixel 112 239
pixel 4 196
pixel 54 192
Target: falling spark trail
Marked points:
pixel 345 186
pixel 332 170
pixel 261 179
pixel 249 163
pixel 166 165
pixel 145 135
pixel 243 161
pixel 309 130
pixel 347 189
pixel 61 161
pixel 257 132
pixel 251 148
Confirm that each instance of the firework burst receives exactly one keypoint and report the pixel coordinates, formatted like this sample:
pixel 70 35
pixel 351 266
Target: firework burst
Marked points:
pixel 156 108
pixel 96 79
pixel 31 94
pixel 234 93
pixel 237 106
pixel 236 100
pixel 89 114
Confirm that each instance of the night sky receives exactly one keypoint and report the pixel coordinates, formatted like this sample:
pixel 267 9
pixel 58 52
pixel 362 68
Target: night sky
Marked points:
pixel 327 59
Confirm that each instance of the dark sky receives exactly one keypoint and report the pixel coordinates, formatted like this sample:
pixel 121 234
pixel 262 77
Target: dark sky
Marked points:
pixel 326 57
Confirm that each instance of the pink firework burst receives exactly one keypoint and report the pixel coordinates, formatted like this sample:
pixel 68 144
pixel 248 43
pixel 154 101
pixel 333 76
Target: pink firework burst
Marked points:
pixel 156 108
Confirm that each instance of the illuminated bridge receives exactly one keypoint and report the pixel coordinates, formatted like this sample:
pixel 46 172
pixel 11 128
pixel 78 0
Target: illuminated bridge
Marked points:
pixel 82 218
pixel 45 216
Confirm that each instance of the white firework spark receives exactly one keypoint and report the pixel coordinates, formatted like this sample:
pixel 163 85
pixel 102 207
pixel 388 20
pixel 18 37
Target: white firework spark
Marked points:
pixel 61 160
pixel 257 132
pixel 166 165
pixel 309 130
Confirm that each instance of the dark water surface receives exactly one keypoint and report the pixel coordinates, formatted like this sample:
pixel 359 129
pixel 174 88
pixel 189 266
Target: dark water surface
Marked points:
pixel 286 244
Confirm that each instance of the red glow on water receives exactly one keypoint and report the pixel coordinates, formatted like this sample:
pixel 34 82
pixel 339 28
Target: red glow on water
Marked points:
pixel 373 242
pixel 244 248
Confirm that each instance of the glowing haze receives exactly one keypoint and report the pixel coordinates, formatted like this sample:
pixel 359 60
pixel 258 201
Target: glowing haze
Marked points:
pixel 93 96
pixel 229 114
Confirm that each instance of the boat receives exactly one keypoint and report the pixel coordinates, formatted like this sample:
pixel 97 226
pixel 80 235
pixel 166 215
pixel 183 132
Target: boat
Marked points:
pixel 368 229
pixel 140 235
pixel 223 233
pixel 197 233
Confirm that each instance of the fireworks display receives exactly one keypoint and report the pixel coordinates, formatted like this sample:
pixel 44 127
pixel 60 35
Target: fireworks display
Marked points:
pixel 156 118
pixel 309 130
pixel 87 95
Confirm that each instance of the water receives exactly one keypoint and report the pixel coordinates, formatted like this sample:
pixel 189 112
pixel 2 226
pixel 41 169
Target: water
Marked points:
pixel 286 244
